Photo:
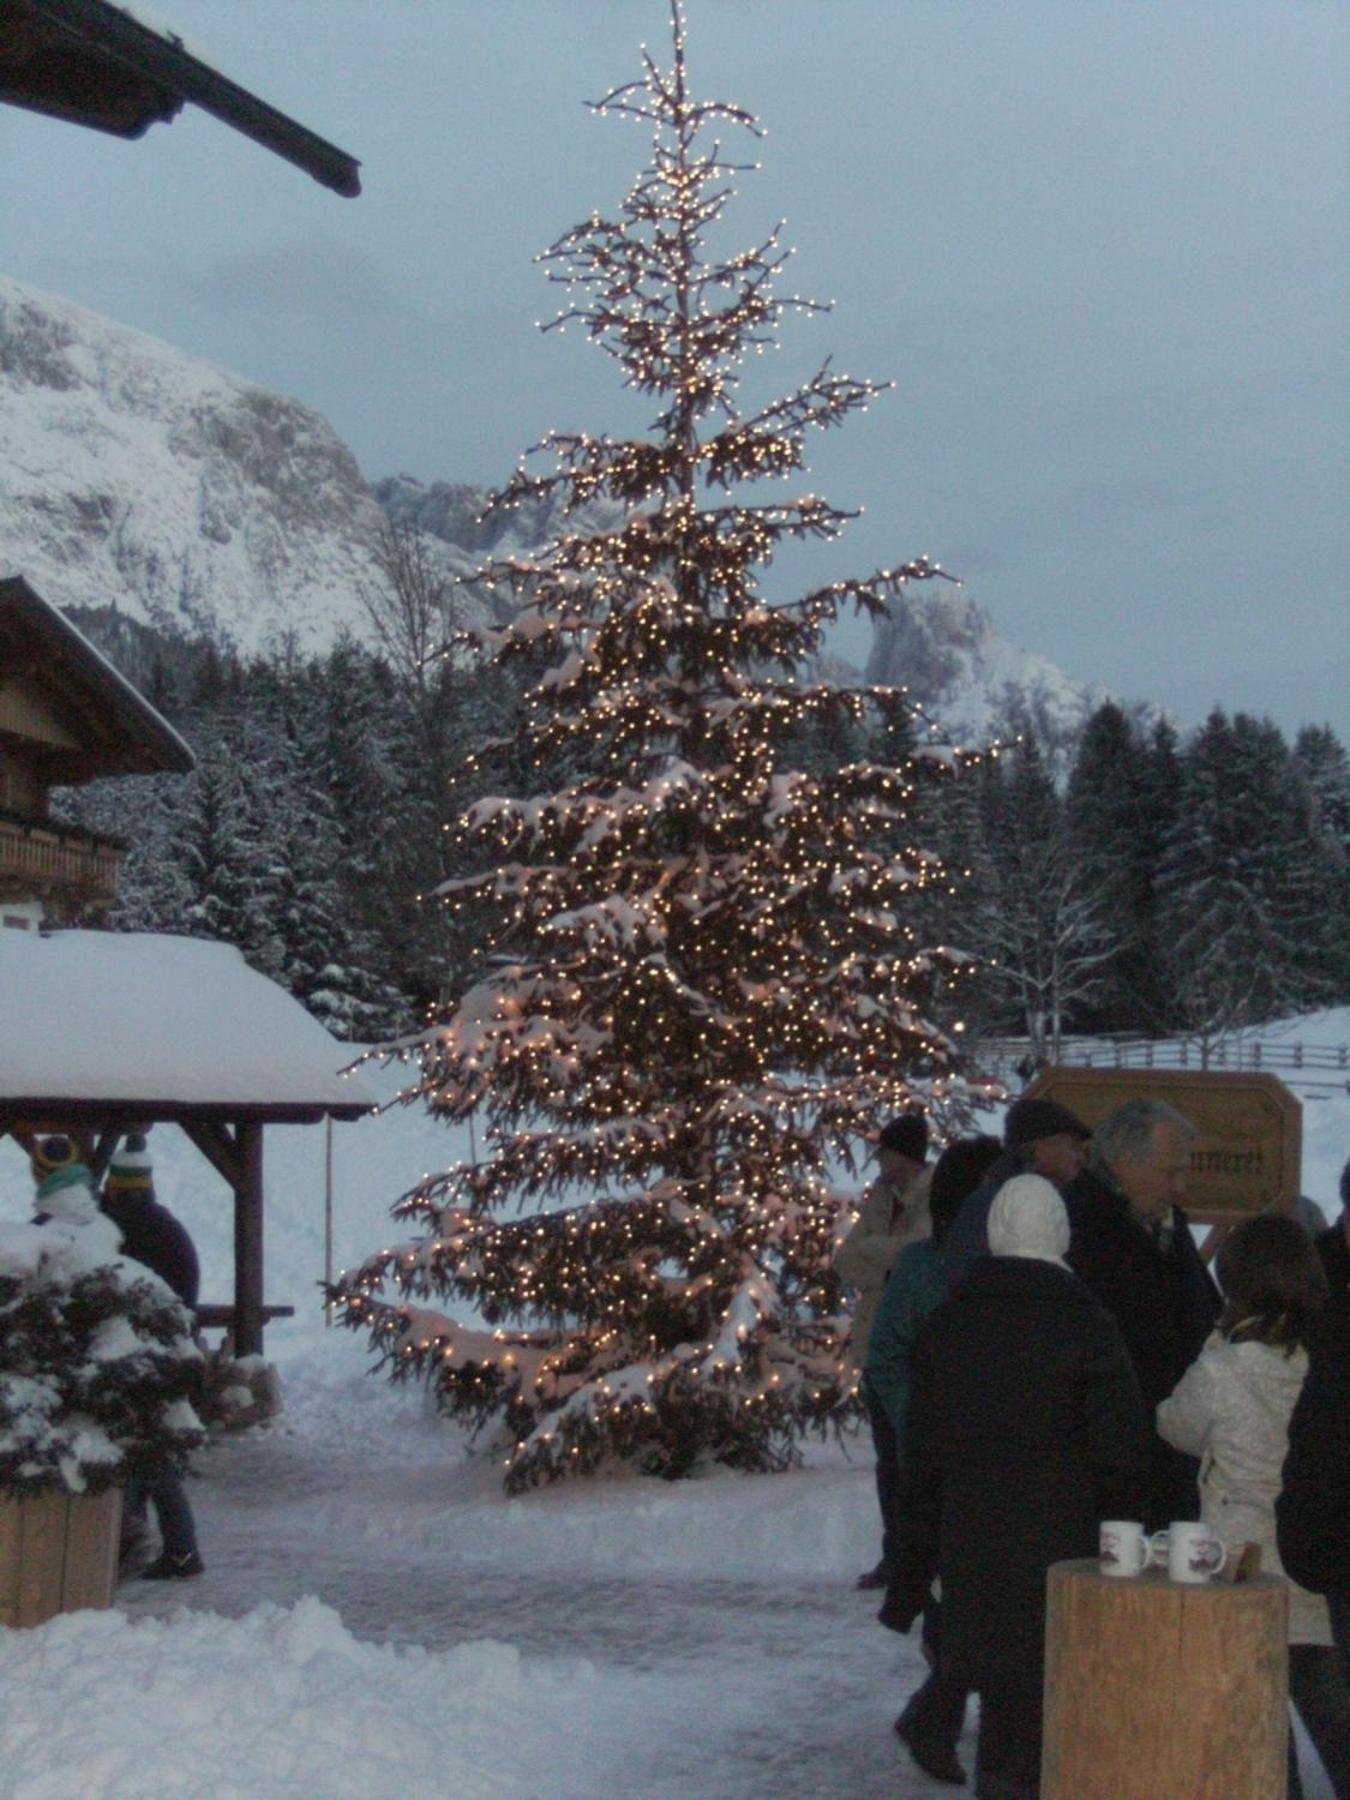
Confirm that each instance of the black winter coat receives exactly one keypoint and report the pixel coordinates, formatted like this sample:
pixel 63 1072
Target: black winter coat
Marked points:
pixel 1026 1430
pixel 1335 1254
pixel 968 1238
pixel 1166 1305
pixel 151 1235
pixel 1312 1513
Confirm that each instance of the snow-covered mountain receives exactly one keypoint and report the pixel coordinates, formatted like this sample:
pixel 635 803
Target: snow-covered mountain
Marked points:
pixel 135 475
pixel 941 645
pixel 938 642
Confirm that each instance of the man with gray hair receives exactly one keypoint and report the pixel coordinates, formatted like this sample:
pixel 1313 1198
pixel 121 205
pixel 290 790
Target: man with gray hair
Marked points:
pixel 1132 1247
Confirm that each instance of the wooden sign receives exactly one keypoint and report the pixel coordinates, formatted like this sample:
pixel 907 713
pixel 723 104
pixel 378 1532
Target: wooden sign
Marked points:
pixel 1248 1152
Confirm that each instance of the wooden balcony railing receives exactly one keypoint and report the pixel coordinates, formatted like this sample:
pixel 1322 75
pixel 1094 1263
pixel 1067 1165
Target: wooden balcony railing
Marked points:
pixel 44 860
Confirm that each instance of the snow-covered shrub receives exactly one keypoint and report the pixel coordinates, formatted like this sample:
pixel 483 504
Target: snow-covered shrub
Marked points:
pixel 96 1363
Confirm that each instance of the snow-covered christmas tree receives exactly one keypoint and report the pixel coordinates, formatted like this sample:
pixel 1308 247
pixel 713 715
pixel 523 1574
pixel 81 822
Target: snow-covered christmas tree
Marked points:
pixel 703 986
pixel 97 1360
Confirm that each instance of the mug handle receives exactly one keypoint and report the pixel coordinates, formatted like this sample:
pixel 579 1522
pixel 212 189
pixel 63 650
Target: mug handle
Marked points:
pixel 1156 1549
pixel 1223 1553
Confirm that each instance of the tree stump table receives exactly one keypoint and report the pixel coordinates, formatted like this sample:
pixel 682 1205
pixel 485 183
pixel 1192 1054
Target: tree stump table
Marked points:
pixel 1158 1690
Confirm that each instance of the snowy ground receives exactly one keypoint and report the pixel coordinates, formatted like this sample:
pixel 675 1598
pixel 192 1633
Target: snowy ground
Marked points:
pixel 378 1620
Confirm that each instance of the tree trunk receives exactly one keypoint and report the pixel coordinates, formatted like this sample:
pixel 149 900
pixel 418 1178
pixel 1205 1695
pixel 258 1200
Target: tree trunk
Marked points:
pixel 1155 1688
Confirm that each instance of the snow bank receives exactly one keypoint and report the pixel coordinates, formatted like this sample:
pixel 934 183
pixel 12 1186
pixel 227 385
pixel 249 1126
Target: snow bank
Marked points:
pixel 283 1702
pixel 776 1680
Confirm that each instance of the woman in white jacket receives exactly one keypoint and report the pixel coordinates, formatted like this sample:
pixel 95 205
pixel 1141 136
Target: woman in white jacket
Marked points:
pixel 1231 1409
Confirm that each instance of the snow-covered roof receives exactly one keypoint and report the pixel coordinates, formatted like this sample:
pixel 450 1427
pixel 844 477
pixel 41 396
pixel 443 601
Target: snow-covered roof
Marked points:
pixel 162 1027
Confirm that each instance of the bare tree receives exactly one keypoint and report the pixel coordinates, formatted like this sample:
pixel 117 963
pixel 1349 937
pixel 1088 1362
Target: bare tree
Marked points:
pixel 412 608
pixel 1042 924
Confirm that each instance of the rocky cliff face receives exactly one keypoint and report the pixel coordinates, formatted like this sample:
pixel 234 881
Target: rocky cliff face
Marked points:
pixel 134 475
pixel 941 645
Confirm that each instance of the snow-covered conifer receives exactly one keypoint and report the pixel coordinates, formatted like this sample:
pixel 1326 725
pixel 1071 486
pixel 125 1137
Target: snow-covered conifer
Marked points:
pixel 702 980
pixel 96 1362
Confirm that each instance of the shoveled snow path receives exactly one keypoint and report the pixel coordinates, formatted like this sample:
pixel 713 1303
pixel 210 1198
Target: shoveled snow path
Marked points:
pixel 781 1686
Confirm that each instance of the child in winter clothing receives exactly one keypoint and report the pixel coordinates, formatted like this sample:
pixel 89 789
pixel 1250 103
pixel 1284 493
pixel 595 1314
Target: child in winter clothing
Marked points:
pixel 152 1236
pixel 1232 1410
pixel 64 1188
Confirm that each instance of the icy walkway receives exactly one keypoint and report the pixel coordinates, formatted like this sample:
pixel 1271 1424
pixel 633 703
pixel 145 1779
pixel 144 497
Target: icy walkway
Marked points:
pixel 730 1687
pixel 679 1683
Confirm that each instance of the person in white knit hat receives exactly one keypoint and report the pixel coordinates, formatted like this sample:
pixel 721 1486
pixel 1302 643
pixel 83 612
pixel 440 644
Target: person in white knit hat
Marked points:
pixel 1026 1429
pixel 1029 1219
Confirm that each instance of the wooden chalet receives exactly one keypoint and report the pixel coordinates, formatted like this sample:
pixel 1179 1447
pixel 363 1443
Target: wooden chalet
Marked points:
pixel 95 63
pixel 66 717
pixel 103 1032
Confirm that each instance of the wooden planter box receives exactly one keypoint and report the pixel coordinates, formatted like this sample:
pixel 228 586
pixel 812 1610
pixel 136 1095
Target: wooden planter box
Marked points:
pixel 57 1552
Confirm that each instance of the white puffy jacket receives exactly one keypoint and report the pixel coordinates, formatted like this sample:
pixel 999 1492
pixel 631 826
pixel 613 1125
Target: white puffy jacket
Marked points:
pixel 1231 1409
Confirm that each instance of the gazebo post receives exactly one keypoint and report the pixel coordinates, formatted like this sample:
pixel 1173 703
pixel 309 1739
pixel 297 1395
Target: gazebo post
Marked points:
pixel 248 1240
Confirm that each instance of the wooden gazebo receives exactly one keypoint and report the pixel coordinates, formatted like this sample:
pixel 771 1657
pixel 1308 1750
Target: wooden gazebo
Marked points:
pixel 108 1031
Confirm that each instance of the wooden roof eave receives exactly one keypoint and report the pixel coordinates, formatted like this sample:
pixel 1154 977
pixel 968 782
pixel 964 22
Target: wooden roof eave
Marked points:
pixel 150 74
pixel 150 743
pixel 18 1109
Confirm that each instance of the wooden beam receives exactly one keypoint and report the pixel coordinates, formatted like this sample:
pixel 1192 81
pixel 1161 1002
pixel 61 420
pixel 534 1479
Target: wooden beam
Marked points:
pixel 72 1115
pixel 101 1154
pixel 248 1241
pixel 212 1316
pixel 218 1146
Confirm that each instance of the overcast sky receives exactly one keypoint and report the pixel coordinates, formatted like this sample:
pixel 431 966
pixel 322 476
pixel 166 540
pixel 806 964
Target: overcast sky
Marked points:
pixel 1100 249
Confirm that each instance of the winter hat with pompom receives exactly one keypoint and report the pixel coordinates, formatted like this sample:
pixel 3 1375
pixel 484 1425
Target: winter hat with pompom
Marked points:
pixel 1028 1219
pixel 130 1168
pixel 51 1153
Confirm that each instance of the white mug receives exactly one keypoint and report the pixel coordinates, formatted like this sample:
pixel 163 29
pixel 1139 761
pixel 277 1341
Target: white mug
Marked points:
pixel 1125 1548
pixel 1195 1554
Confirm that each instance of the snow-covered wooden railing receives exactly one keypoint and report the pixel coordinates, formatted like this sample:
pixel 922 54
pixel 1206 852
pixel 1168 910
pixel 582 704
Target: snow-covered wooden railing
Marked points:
pixel 1314 1066
pixel 41 857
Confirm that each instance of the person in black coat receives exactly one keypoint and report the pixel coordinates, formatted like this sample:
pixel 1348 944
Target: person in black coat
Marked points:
pixel 1026 1429
pixel 1312 1513
pixel 1040 1137
pixel 152 1236
pixel 150 1233
pixel 1333 1246
pixel 1132 1247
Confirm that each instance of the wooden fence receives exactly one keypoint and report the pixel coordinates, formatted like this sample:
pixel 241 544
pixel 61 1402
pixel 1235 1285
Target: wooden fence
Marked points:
pixel 1315 1069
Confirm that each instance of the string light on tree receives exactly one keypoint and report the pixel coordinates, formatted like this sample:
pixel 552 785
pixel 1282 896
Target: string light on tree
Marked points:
pixel 701 984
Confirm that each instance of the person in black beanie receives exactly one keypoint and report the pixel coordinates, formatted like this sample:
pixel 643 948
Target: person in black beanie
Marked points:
pixel 152 1236
pixel 150 1233
pixel 933 1717
pixel 1040 1137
